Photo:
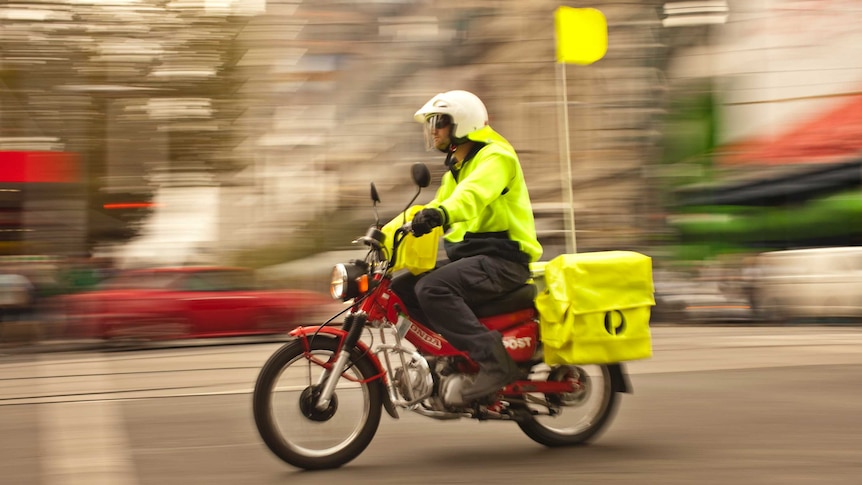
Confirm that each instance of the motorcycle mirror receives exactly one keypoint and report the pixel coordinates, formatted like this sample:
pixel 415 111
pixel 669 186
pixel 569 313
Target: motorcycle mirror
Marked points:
pixel 422 178
pixel 374 196
pixel 421 174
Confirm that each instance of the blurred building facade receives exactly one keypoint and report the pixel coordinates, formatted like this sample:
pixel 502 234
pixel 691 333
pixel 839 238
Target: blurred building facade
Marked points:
pixel 331 99
pixel 256 122
pixel 223 128
pixel 137 90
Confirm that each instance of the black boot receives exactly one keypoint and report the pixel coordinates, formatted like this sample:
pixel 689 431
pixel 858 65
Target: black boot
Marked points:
pixel 493 374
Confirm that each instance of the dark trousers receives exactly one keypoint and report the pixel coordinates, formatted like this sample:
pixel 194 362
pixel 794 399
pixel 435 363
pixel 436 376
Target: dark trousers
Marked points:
pixel 442 298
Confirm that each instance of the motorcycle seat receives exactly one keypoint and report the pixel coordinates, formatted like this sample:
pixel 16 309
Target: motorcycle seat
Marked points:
pixel 519 299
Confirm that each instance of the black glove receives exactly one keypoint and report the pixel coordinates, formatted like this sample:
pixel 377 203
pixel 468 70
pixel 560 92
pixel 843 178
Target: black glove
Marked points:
pixel 425 220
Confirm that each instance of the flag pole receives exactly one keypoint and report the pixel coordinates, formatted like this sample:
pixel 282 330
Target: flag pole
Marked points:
pixel 566 161
pixel 581 36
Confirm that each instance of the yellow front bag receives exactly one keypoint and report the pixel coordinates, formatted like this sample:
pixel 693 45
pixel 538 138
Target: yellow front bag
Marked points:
pixel 416 254
pixel 595 308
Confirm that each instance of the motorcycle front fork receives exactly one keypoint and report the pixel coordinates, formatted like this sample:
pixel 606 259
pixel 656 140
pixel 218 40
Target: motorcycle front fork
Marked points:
pixel 353 324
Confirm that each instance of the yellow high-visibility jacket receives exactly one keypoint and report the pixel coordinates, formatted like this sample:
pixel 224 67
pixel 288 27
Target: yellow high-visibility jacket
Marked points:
pixel 485 204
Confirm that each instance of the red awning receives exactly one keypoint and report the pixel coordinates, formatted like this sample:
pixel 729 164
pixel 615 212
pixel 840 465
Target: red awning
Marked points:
pixel 835 135
pixel 38 166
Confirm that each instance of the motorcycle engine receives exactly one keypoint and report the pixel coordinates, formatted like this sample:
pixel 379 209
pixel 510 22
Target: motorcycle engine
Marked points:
pixel 451 387
pixel 414 381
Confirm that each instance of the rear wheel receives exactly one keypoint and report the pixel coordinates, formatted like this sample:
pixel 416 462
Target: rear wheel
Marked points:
pixel 577 416
pixel 294 428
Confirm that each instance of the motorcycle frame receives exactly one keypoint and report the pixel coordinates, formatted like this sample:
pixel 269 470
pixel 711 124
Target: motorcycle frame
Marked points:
pixel 385 306
pixel 381 309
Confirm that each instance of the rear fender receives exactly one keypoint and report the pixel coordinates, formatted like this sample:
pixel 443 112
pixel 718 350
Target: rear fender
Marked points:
pixel 619 379
pixel 332 332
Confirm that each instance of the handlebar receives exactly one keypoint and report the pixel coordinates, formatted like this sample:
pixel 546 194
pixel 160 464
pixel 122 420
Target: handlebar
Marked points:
pixel 374 238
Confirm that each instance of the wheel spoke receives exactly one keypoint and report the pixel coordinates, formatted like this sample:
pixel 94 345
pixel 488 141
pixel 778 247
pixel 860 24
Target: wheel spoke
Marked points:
pixel 312 436
pixel 294 428
pixel 575 416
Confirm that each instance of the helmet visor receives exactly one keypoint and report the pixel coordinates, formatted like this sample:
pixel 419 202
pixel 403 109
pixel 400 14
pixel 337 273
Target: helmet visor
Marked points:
pixel 437 132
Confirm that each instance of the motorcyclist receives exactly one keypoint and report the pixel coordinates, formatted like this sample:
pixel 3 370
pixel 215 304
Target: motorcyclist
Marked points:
pixel 484 207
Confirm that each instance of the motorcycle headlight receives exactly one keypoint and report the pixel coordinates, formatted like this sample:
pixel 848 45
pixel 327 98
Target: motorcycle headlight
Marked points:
pixel 348 281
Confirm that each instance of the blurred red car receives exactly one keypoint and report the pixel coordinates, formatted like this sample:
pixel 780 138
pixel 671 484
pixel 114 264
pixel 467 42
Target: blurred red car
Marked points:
pixel 189 302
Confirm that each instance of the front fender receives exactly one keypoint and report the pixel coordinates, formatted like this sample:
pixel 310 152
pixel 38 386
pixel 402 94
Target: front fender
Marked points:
pixel 337 333
pixel 312 331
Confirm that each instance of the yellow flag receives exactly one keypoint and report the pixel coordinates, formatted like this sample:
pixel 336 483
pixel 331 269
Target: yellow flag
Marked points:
pixel 582 35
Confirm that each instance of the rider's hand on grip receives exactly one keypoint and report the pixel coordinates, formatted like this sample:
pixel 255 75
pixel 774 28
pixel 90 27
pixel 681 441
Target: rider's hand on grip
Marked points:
pixel 426 220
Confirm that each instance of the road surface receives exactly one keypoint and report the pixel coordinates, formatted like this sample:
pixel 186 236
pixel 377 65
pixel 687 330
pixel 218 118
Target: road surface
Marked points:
pixel 744 405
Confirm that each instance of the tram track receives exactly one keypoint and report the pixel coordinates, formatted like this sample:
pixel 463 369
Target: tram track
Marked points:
pixel 117 395
pixel 159 373
pixel 102 374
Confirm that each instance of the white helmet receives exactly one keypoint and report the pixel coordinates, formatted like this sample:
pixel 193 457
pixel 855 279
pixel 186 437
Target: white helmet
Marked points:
pixel 467 111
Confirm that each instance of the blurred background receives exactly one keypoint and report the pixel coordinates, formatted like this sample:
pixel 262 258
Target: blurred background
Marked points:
pixel 144 133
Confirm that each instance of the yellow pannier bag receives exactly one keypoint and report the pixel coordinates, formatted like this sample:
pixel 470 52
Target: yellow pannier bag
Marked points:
pixel 416 254
pixel 595 308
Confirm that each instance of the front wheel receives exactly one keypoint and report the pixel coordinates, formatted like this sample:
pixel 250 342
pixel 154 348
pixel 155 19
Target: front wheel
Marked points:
pixel 577 416
pixel 294 428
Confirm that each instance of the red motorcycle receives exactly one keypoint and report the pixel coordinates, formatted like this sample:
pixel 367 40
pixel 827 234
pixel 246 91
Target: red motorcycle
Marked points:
pixel 319 398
